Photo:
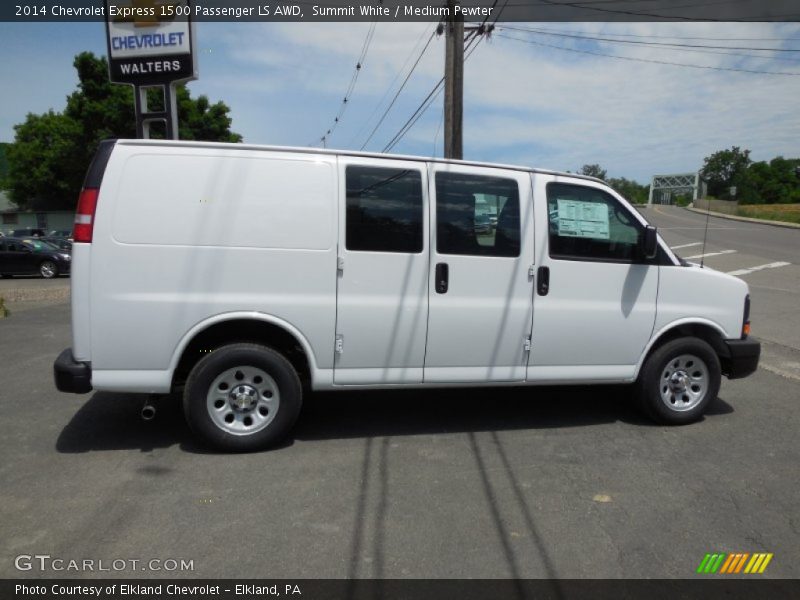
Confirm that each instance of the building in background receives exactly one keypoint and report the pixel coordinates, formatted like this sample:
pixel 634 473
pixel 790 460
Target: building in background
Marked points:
pixel 12 218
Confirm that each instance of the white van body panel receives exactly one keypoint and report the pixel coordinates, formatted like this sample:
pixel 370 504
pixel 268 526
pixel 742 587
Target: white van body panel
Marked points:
pixel 190 235
pixel 478 329
pixel 80 301
pixel 708 296
pixel 596 314
pixel 382 300
pixel 186 235
pixel 249 316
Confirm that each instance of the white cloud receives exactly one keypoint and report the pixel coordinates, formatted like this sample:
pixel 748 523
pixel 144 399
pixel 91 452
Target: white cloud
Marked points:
pixel 524 104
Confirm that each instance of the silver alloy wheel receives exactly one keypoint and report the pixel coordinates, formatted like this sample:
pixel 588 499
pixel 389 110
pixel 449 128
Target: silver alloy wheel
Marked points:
pixel 243 400
pixel 47 269
pixel 684 382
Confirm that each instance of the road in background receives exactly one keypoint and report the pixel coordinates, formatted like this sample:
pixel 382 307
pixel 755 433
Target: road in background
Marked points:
pixel 765 256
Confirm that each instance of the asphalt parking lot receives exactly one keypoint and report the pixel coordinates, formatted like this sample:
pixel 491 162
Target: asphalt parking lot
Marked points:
pixel 528 482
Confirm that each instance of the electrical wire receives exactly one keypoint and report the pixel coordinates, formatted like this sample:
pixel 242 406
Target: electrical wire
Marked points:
pixel 397 94
pixel 351 86
pixel 428 100
pixel 639 42
pixel 389 88
pixel 473 40
pixel 680 37
pixel 647 60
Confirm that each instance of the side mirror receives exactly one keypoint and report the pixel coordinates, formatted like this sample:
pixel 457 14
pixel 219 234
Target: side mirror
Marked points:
pixel 650 242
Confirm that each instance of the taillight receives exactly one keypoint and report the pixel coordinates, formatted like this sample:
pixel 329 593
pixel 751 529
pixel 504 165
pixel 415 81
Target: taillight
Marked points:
pixel 84 215
pixel 746 319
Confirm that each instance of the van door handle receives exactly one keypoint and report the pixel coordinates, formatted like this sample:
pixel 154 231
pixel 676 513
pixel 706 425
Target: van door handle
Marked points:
pixel 442 278
pixel 543 280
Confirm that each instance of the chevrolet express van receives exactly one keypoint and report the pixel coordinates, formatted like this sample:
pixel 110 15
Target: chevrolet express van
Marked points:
pixel 243 275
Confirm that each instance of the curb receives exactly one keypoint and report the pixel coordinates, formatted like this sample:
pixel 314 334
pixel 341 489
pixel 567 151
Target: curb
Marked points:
pixel 33 294
pixel 745 219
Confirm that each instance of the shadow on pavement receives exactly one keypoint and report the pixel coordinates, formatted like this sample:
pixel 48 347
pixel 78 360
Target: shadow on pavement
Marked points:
pixel 110 421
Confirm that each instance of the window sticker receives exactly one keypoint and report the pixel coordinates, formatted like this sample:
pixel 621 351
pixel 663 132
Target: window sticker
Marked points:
pixel 582 219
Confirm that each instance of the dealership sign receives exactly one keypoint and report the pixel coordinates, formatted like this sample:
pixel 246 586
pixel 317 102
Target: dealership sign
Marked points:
pixel 150 42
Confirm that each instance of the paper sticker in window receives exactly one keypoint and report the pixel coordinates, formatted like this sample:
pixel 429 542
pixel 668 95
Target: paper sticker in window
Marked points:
pixel 582 219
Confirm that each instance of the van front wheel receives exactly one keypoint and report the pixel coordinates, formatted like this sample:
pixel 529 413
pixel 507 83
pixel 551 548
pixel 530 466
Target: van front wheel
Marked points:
pixel 679 380
pixel 242 397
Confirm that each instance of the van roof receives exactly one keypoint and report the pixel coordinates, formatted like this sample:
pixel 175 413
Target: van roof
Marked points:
pixel 334 152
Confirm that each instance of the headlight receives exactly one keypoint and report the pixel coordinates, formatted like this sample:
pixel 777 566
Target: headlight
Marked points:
pixel 66 256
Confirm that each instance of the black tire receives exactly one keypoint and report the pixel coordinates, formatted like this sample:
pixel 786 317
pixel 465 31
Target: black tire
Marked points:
pixel 679 381
pixel 251 358
pixel 48 269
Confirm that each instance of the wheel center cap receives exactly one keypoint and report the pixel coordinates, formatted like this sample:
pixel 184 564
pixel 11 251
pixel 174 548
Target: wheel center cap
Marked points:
pixel 678 381
pixel 243 397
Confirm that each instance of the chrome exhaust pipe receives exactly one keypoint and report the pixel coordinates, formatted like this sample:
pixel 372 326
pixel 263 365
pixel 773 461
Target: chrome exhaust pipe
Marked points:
pixel 148 410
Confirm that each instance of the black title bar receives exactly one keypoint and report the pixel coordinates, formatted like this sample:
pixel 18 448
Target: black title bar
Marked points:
pixel 487 11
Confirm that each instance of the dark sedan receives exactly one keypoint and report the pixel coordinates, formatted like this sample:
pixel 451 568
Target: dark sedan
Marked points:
pixel 59 242
pixel 30 256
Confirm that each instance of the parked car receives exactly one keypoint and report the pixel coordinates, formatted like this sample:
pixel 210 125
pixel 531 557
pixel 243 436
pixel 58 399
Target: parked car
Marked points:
pixel 59 242
pixel 292 269
pixel 483 224
pixel 29 256
pixel 29 232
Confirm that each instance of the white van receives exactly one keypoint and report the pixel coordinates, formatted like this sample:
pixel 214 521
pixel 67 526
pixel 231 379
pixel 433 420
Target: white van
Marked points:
pixel 244 275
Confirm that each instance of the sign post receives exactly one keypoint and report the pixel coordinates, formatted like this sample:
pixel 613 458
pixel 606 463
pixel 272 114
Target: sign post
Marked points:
pixel 151 46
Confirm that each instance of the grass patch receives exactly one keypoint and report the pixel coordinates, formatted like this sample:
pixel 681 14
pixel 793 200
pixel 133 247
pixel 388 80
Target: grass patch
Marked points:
pixel 789 213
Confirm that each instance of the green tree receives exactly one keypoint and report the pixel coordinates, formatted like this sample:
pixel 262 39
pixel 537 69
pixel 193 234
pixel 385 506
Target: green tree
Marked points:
pixel 629 189
pixel 775 182
pixel 51 152
pixel 724 169
pixel 593 171
pixel 3 163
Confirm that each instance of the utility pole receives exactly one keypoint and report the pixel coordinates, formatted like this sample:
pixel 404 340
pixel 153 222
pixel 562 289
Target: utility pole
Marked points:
pixel 453 83
pixel 454 77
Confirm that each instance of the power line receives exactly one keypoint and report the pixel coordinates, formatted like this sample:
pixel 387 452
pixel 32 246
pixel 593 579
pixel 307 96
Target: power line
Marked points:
pixel 647 60
pixel 679 37
pixel 676 49
pixel 351 86
pixel 660 44
pixel 428 100
pixel 389 88
pixel 586 6
pixel 403 85
pixel 473 40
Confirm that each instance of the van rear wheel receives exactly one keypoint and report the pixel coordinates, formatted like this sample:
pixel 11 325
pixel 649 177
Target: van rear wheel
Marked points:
pixel 679 380
pixel 242 397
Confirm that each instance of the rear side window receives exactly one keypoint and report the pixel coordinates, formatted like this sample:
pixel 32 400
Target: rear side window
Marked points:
pixel 477 215
pixel 384 210
pixel 586 223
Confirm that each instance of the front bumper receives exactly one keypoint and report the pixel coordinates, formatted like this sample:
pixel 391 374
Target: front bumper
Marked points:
pixel 72 376
pixel 742 359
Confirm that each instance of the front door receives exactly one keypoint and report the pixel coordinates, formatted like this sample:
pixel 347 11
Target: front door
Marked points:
pixel 596 316
pixel 480 289
pixel 382 291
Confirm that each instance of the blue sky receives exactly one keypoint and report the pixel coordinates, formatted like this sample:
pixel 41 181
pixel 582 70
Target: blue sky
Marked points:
pixel 524 103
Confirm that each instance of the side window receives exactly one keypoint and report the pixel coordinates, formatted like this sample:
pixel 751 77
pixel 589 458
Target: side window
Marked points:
pixel 589 224
pixel 384 210
pixel 477 215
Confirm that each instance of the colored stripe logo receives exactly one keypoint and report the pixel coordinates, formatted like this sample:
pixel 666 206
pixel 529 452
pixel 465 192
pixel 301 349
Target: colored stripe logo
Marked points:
pixel 734 563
